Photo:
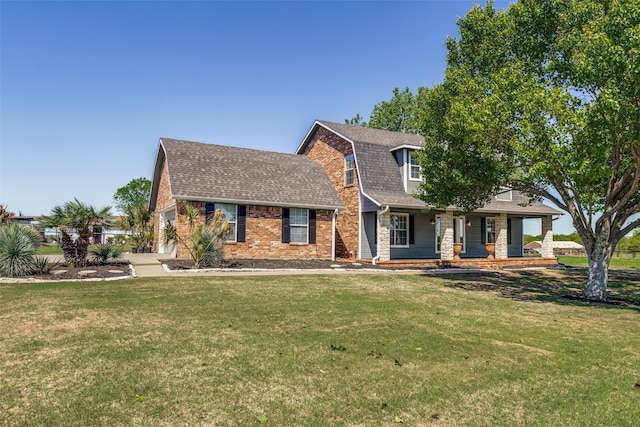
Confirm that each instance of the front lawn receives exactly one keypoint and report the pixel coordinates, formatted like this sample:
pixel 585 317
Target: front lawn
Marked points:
pixel 488 349
pixel 617 262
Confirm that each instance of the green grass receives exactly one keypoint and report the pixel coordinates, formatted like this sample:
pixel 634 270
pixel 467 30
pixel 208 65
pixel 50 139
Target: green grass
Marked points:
pixel 49 249
pixel 482 350
pixel 617 263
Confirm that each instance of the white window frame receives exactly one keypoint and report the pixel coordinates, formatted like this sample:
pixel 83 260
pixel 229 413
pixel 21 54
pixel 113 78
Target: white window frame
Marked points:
pixel 411 167
pixel 349 169
pixel 459 223
pixel 491 219
pixel 292 215
pixel 234 222
pixel 392 232
pixel 460 232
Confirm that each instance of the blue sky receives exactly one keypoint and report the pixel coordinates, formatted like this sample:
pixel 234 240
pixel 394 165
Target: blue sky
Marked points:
pixel 88 88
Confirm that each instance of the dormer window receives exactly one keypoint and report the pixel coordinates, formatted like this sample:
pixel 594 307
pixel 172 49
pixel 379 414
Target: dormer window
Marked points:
pixel 504 196
pixel 349 169
pixel 414 168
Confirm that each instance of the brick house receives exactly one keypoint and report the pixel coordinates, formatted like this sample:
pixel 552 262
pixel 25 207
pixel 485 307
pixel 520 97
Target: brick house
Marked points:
pixel 351 185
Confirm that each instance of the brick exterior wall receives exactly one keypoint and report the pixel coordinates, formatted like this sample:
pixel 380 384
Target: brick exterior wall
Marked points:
pixel 263 230
pixel 502 238
pixel 329 151
pixel 163 200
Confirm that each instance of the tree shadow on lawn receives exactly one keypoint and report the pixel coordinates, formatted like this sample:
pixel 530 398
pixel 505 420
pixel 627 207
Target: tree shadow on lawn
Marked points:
pixel 558 286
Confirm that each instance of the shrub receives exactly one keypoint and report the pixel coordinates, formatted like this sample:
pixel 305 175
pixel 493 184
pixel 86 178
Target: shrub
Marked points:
pixel 102 252
pixel 18 243
pixel 205 242
pixel 42 265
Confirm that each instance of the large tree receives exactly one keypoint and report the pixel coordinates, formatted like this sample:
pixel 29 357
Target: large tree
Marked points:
pixel 543 97
pixel 133 201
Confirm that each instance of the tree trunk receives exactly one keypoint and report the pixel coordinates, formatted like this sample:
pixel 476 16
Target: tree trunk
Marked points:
pixel 599 258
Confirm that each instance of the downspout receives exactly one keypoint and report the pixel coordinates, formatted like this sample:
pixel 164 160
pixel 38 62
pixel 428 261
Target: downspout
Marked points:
pixel 333 235
pixel 380 213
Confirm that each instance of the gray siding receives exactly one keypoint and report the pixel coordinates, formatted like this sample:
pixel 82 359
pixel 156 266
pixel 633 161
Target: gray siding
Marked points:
pixel 425 243
pixel 474 246
pixel 517 241
pixel 368 230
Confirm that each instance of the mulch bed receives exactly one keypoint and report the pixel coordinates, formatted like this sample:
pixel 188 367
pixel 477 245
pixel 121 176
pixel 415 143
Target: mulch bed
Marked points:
pixel 90 271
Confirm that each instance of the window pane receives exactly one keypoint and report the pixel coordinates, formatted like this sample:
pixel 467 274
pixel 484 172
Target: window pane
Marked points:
pixel 298 216
pixel 228 209
pixel 349 165
pixel 414 167
pixel 231 233
pixel 298 234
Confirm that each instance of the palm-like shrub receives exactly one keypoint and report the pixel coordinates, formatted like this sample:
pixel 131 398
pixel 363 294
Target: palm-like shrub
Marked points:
pixel 205 243
pixel 43 265
pixel 103 252
pixel 18 243
pixel 76 218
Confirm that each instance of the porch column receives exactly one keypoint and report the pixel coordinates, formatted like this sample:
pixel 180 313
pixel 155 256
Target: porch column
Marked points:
pixel 384 239
pixel 446 228
pixel 502 237
pixel 547 237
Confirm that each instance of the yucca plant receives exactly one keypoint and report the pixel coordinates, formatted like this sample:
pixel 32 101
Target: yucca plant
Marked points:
pixel 43 265
pixel 103 252
pixel 205 243
pixel 18 243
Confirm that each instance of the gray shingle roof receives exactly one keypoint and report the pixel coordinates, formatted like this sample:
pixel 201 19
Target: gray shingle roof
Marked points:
pixel 380 176
pixel 209 172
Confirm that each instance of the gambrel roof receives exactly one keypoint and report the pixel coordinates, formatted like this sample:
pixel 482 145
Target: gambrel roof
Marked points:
pixel 381 182
pixel 218 173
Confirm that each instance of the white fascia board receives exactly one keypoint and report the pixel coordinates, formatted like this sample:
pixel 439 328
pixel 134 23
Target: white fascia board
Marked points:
pixel 407 146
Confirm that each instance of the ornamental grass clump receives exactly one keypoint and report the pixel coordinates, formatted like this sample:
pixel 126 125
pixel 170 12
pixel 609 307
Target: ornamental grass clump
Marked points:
pixel 103 252
pixel 18 243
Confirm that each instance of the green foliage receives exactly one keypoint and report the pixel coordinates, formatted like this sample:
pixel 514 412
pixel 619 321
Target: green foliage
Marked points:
pixel 81 219
pixel 18 243
pixel 135 193
pixel 206 242
pixel 133 201
pixel 169 234
pixel 103 252
pixel 542 98
pixel 42 265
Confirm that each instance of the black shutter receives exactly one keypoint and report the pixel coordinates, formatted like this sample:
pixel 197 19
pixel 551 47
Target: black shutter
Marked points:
pixel 508 231
pixel 483 230
pixel 241 222
pixel 412 234
pixel 209 210
pixel 286 238
pixel 312 225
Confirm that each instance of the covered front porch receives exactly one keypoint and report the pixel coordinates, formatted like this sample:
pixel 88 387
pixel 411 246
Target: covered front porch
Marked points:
pixel 482 239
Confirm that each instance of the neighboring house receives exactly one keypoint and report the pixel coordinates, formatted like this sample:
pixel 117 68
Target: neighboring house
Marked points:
pixel 559 248
pixel 358 183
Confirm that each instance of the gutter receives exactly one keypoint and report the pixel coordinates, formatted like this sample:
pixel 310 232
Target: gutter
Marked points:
pixel 380 213
pixel 334 216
